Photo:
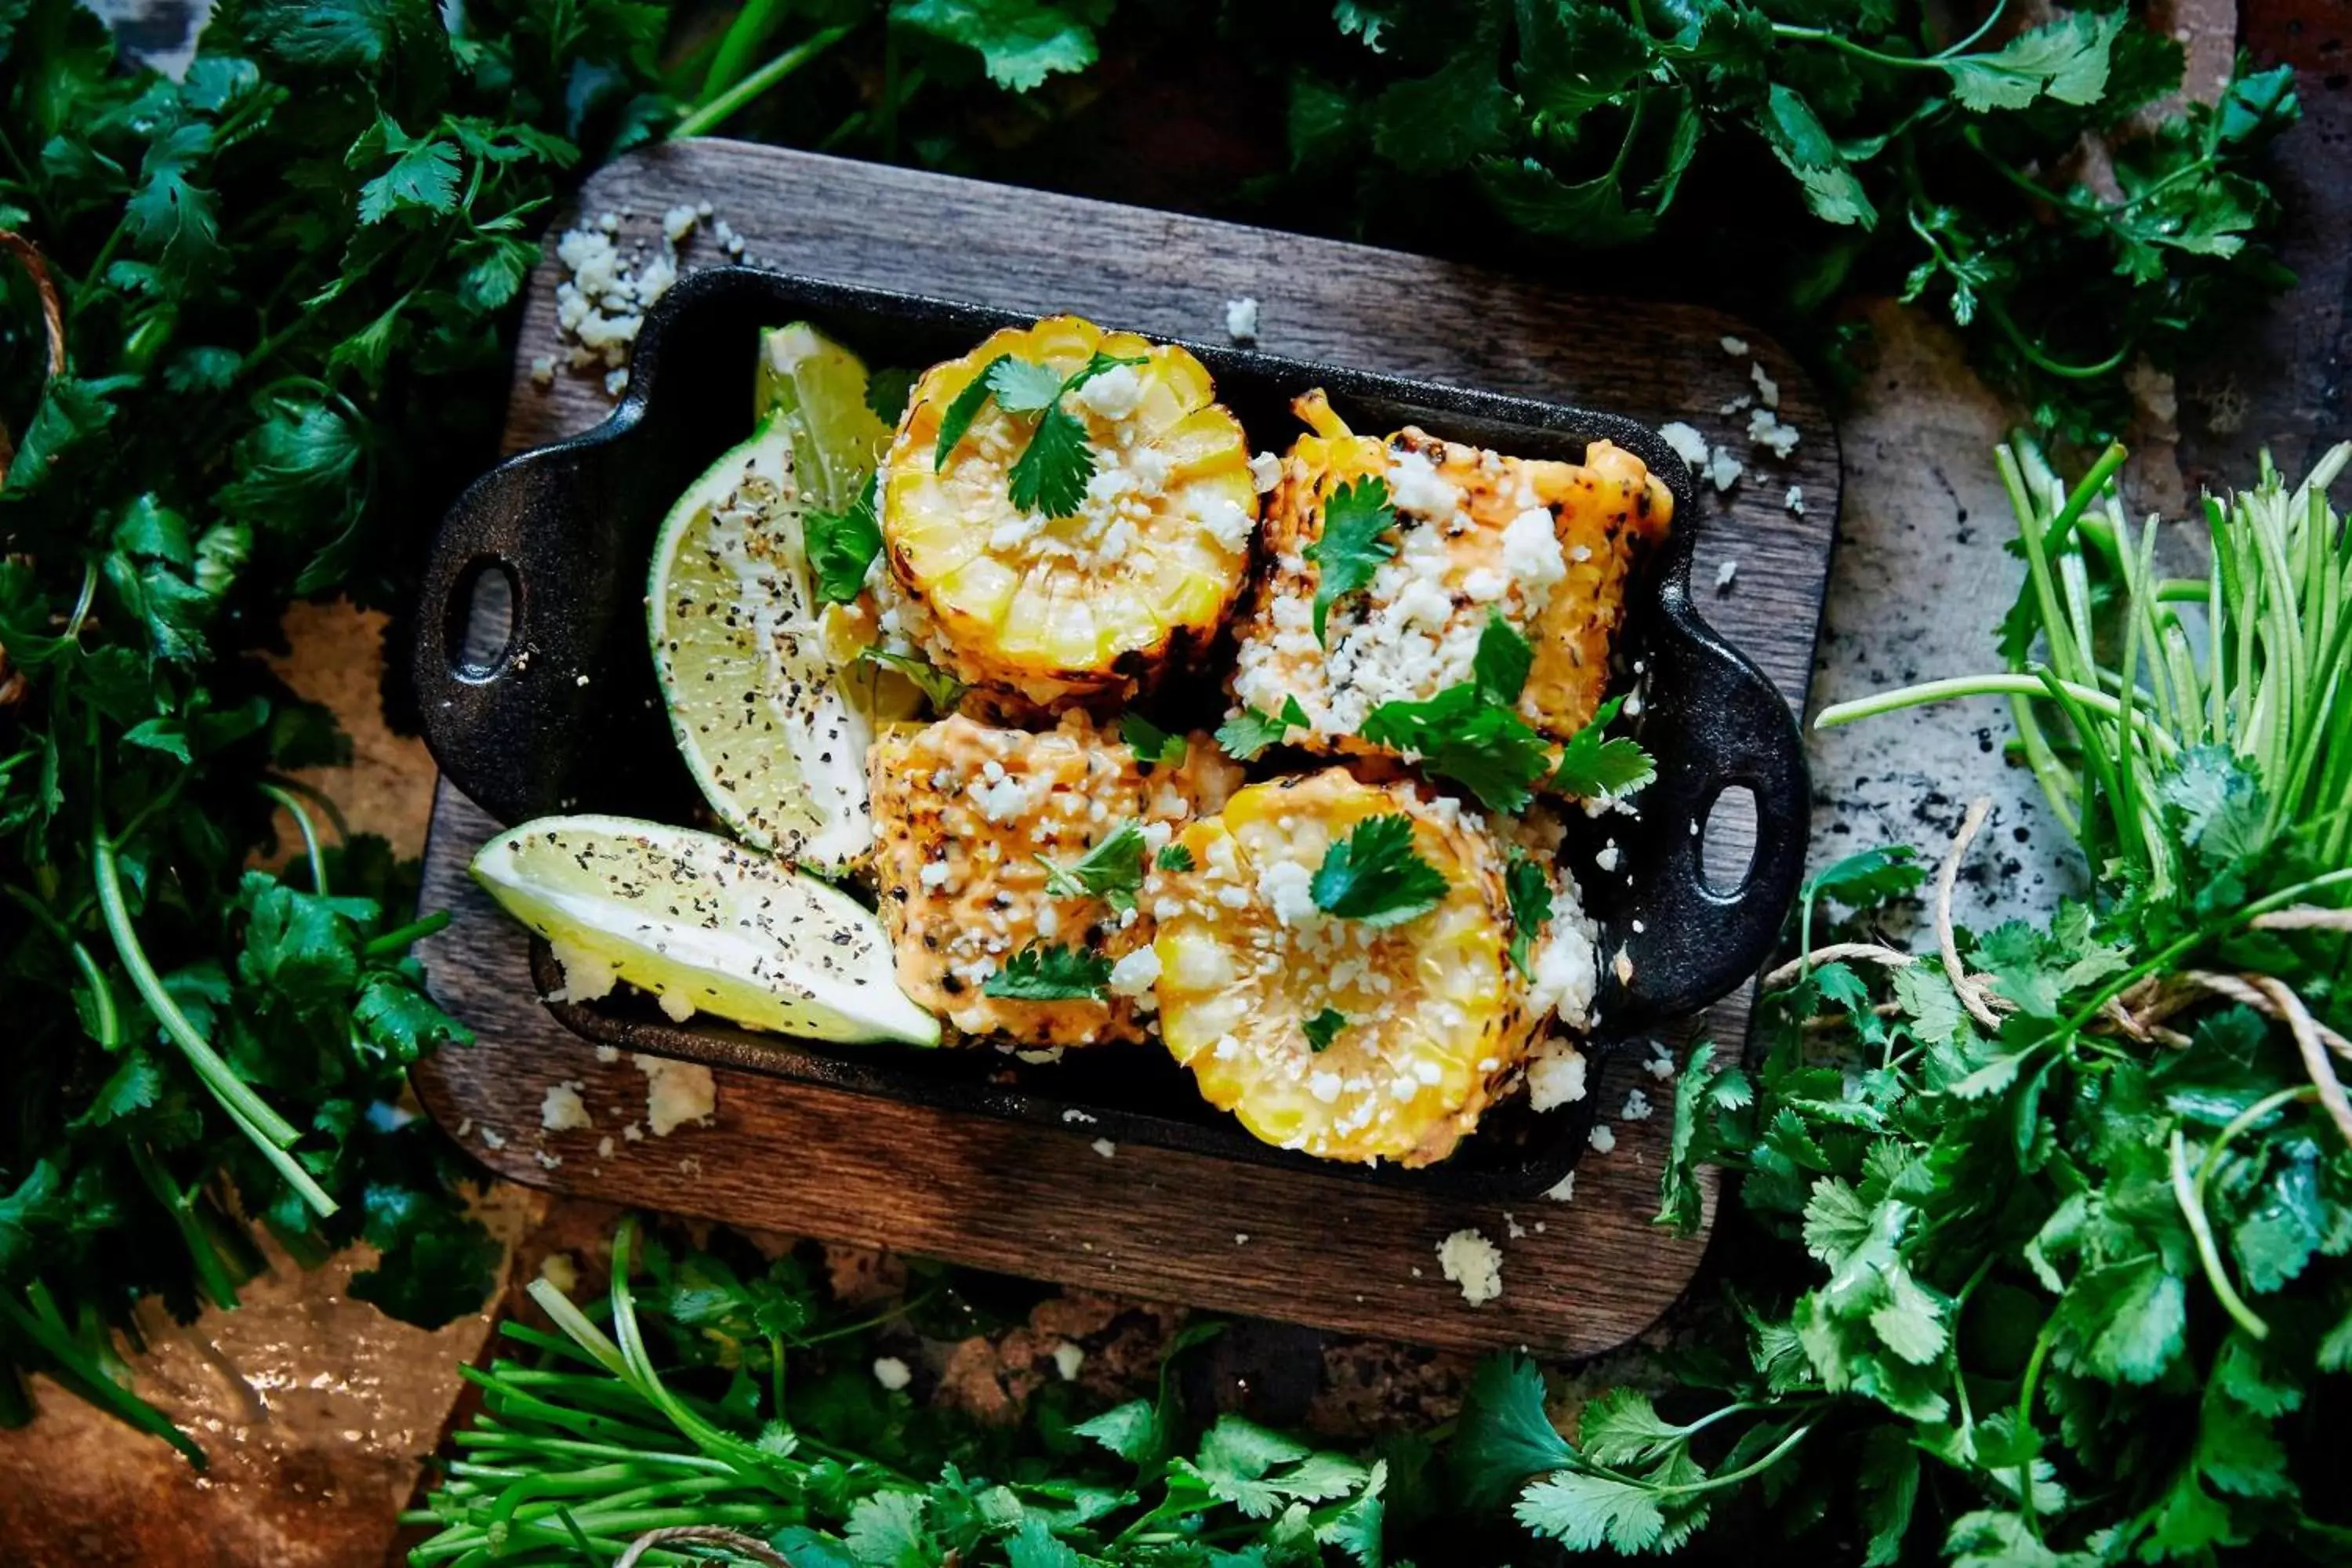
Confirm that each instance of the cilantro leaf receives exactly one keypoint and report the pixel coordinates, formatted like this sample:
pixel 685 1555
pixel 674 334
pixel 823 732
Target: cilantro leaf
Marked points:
pixel 1249 732
pixel 2066 60
pixel 1593 768
pixel 1349 549
pixel 1585 1512
pixel 1020 42
pixel 1148 742
pixel 1043 971
pixel 1458 734
pixel 1374 875
pixel 1132 1430
pixel 1024 386
pixel 1050 475
pixel 1323 1028
pixel 962 409
pixel 424 176
pixel 1174 858
pixel 1112 870
pixel 1866 877
pixel 942 690
pixel 1499 668
pixel 1528 884
pixel 842 546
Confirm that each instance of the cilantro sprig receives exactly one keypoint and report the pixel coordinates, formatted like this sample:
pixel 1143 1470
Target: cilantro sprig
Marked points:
pixel 1529 886
pixel 1376 876
pixel 1323 1028
pixel 842 545
pixel 1351 547
pixel 1051 474
pixel 1150 742
pixel 1112 870
pixel 1245 736
pixel 1594 765
pixel 1048 972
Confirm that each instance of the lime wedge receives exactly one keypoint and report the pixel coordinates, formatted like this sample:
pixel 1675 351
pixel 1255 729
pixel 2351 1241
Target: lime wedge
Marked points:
pixel 705 924
pixel 774 731
pixel 818 389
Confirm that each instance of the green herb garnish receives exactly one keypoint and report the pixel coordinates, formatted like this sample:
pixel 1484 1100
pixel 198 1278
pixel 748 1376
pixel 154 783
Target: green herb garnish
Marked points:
pixel 1592 766
pixel 1112 870
pixel 942 690
pixel 1349 550
pixel 1460 735
pixel 1528 885
pixel 1374 875
pixel 1050 475
pixel 1043 971
pixel 1174 858
pixel 1148 742
pixel 1499 668
pixel 1323 1028
pixel 842 545
pixel 1249 732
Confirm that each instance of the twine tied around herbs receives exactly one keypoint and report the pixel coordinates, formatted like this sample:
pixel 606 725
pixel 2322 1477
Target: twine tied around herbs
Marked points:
pixel 2140 1012
pixel 733 1542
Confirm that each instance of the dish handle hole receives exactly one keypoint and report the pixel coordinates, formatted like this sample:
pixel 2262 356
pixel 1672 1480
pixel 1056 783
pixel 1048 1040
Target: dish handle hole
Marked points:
pixel 482 618
pixel 1727 841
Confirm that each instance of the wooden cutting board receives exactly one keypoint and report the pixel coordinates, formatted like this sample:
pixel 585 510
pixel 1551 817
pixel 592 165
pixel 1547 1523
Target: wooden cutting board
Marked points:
pixel 1579 1277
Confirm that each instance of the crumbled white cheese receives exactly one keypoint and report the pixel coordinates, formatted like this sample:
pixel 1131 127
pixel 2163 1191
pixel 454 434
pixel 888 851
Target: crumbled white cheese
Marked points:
pixel 1229 524
pixel 934 874
pixel 1736 347
pixel 1661 1066
pixel 1765 429
pixel 542 371
pixel 1512 1228
pixel 1532 553
pixel 1686 441
pixel 1325 1087
pixel 674 1004
pixel 1265 472
pixel 547 1161
pixel 891 1373
pixel 1604 1139
pixel 1105 1147
pixel 1241 1238
pixel 616 382
pixel 608 1054
pixel 1607 859
pixel 1288 888
pixel 1796 501
pixel 1136 974
pixel 1113 394
pixel 1565 972
pixel 676 1093
pixel 1768 391
pixel 605 1147
pixel 562 1110
pixel 1474 1263
pixel 1076 1115
pixel 1724 575
pixel 1724 469
pixel 1415 486
pixel 1067 1359
pixel 1562 1191
pixel 1555 1075
pixel 1001 800
pixel 1241 320
pixel 1637 1106
pixel 587 977
pixel 493 1139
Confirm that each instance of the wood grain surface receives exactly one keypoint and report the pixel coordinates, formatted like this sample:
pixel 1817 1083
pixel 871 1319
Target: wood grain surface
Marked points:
pixel 1579 1277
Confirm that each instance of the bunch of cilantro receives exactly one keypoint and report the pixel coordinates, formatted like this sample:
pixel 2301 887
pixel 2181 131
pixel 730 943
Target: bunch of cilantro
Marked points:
pixel 2040 183
pixel 2042 1252
pixel 279 287
pixel 714 1388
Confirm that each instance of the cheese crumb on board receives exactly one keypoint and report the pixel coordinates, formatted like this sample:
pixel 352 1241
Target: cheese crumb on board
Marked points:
pixel 1796 501
pixel 1768 391
pixel 1736 347
pixel 1723 469
pixel 891 1373
pixel 586 977
pixel 1604 1138
pixel 1555 1075
pixel 1067 1359
pixel 1474 1263
pixel 1637 1106
pixel 676 1093
pixel 1106 1148
pixel 1725 574
pixel 558 1271
pixel 1241 320
pixel 1687 442
pixel 563 1110
pixel 1563 1191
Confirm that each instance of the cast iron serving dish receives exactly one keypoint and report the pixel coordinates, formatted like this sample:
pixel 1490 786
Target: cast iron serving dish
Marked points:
pixel 563 714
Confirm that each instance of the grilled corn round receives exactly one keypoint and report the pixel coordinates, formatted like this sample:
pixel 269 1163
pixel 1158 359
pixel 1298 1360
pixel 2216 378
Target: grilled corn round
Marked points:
pixel 1093 605
pixel 1433 1017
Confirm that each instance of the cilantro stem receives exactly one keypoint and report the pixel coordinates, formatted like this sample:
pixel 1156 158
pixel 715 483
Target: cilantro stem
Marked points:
pixel 1992 19
pixel 2190 1196
pixel 402 937
pixel 179 1203
pixel 1846 45
pixel 710 116
pixel 2042 362
pixel 2023 1424
pixel 1992 685
pixel 310 831
pixel 106 1018
pixel 270 1133
pixel 75 1368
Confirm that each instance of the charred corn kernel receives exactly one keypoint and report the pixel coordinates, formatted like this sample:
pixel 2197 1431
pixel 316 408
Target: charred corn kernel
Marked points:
pixel 1549 545
pixel 1436 1018
pixel 1093 606
pixel 961 811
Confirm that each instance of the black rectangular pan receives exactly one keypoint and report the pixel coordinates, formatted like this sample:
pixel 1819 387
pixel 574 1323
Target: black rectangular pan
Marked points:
pixel 563 714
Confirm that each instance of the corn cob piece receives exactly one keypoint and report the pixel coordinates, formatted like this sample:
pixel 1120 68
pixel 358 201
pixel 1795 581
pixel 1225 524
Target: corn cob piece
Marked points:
pixel 1093 606
pixel 1436 1018
pixel 1549 545
pixel 962 811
